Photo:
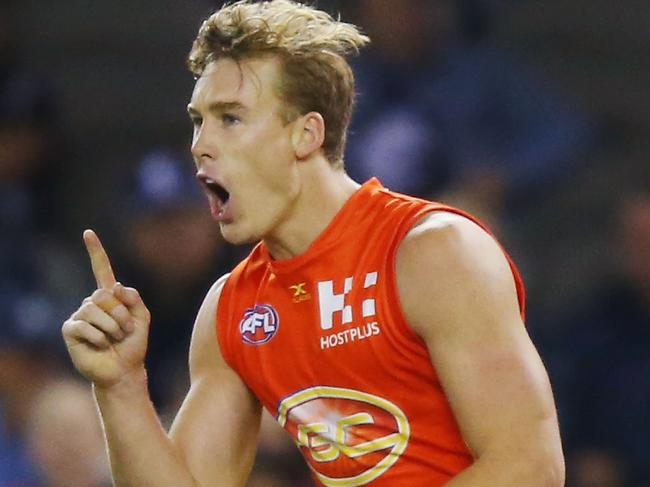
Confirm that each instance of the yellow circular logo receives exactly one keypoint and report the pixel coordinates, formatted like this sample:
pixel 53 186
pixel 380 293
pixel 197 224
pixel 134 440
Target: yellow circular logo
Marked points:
pixel 348 437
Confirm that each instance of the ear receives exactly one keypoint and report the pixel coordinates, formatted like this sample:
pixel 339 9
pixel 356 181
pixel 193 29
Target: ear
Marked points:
pixel 308 134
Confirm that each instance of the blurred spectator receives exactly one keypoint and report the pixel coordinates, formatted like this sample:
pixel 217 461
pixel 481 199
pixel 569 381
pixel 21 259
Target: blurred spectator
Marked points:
pixel 26 208
pixel 440 112
pixel 596 468
pixel 25 366
pixel 170 249
pixel 29 145
pixel 31 302
pixel 65 436
pixel 606 397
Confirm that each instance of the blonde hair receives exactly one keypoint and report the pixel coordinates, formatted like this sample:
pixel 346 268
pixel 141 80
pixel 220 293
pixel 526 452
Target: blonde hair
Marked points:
pixel 312 48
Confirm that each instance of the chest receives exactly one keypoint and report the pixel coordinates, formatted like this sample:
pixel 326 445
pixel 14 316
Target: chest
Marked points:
pixel 302 312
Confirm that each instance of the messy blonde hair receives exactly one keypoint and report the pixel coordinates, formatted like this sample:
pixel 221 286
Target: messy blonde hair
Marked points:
pixel 312 48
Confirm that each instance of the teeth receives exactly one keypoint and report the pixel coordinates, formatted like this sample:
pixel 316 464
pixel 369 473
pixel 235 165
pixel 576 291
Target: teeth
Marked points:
pixel 216 189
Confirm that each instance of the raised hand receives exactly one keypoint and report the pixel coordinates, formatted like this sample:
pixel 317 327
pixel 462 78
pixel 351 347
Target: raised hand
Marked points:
pixel 107 336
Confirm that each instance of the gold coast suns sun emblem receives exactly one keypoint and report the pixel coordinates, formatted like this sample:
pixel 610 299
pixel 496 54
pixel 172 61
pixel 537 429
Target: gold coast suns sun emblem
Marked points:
pixel 259 325
pixel 349 438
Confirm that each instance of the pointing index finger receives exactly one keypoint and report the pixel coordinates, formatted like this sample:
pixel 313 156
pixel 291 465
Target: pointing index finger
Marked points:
pixel 99 261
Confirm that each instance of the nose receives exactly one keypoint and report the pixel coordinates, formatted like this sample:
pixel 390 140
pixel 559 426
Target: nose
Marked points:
pixel 203 145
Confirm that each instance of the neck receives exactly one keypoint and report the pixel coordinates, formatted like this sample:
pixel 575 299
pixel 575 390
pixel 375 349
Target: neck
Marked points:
pixel 324 191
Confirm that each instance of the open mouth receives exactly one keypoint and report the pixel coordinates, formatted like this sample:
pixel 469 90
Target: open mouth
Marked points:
pixel 216 189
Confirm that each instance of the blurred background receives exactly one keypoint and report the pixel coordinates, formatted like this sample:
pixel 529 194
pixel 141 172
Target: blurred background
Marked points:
pixel 534 115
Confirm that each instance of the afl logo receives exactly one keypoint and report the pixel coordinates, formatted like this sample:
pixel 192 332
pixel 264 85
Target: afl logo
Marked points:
pixel 259 325
pixel 348 437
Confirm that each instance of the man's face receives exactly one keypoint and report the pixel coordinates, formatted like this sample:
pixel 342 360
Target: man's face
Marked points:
pixel 243 150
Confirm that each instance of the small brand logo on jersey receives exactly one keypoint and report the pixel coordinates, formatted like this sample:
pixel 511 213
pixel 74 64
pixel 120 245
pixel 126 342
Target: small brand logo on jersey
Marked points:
pixel 300 294
pixel 260 324
pixel 348 437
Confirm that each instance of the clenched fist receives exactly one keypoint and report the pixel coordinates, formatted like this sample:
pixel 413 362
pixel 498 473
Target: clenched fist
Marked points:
pixel 107 336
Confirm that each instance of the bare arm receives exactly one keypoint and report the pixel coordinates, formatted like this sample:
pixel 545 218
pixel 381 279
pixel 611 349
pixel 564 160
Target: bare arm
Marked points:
pixel 458 294
pixel 217 425
pixel 213 439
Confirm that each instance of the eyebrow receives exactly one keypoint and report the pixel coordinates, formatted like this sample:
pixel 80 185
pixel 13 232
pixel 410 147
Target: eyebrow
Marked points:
pixel 217 106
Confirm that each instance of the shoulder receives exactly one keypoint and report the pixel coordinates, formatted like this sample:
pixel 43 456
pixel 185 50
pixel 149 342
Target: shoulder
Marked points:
pixel 448 241
pixel 204 346
pixel 447 265
pixel 211 300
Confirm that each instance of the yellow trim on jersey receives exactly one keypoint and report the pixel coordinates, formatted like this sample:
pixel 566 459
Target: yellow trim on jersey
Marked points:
pixel 398 441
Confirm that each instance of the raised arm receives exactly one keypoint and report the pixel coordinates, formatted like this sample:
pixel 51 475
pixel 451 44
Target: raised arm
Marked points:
pixel 212 442
pixel 458 294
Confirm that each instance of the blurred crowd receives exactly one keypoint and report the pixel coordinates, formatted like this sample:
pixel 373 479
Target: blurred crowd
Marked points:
pixel 445 113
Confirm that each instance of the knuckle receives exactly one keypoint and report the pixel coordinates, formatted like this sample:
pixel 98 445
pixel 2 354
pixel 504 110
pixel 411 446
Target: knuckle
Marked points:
pixel 100 295
pixel 86 308
pixel 133 292
pixel 76 312
pixel 112 326
pixel 71 327
pixel 65 328
pixel 119 312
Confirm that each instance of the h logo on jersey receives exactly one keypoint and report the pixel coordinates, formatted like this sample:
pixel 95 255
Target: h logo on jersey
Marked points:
pixel 330 302
pixel 259 324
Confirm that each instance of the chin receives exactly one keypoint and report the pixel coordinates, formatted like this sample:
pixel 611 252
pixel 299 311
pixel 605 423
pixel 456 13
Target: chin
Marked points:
pixel 236 236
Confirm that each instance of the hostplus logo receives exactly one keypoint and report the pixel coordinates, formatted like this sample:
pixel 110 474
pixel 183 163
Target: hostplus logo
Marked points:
pixel 333 304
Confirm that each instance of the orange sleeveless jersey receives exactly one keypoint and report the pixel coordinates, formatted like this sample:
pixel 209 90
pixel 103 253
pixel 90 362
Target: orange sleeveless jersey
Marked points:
pixel 321 340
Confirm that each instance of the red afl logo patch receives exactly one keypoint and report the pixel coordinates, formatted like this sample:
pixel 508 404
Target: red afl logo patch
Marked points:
pixel 260 324
pixel 349 438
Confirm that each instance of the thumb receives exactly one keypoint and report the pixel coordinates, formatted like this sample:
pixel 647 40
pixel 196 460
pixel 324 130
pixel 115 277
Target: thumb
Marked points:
pixel 130 297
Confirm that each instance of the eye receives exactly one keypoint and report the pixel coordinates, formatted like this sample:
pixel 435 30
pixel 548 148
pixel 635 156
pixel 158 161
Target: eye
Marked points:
pixel 196 121
pixel 229 119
